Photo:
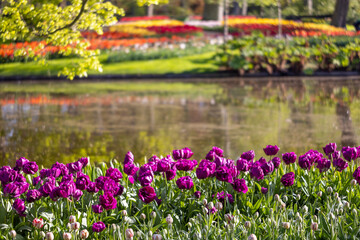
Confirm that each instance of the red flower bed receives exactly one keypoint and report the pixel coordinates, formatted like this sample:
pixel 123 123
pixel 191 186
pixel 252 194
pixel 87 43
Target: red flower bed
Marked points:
pixel 108 35
pixel 145 18
pixel 174 29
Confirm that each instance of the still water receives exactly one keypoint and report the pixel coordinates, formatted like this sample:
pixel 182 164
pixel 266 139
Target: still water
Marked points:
pixel 49 121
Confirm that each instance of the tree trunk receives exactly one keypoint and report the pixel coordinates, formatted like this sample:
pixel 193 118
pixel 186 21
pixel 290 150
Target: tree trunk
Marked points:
pixel 150 10
pixel 213 11
pixel 310 6
pixel 340 13
pixel 244 8
pixel 279 18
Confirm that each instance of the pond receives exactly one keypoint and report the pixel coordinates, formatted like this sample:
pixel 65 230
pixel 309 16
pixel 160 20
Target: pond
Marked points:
pixel 63 121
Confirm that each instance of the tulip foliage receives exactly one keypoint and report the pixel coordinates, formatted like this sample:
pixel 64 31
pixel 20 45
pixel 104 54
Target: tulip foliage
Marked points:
pixel 311 195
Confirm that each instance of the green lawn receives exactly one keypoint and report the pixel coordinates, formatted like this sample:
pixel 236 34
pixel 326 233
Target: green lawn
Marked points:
pixel 200 63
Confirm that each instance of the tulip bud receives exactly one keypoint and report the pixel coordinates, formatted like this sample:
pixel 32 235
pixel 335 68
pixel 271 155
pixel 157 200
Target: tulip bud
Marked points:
pixel 114 227
pixel 67 236
pixel 298 197
pixel 252 237
pixel 169 219
pixel 336 195
pixel 286 225
pixel 283 206
pixel 247 224
pixel 299 219
pixel 285 198
pixel 124 213
pixel 228 217
pixel 126 219
pixel 315 218
pixel 276 198
pixel 189 224
pixel 84 234
pixel 75 226
pixel 165 232
pixel 319 194
pixel 210 205
pixel 353 182
pixel 49 236
pixel 314 226
pixel 205 210
pixel 38 223
pixel 354 212
pixel 42 234
pixel 72 219
pixel 12 234
pixel 329 189
pixel 142 216
pixel 204 202
pixel 129 233
pixel 346 204
pixel 156 237
pixel 256 215
pixel 219 206
pixel 331 216
pixel 340 211
pixel 150 233
pixel 153 214
pixel 305 209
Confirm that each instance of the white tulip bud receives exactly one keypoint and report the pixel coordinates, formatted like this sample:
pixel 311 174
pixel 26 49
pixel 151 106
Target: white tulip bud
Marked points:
pixel 49 236
pixel 305 209
pixel 331 216
pixel 75 226
pixel 153 214
pixel 256 215
pixel 276 198
pixel 354 212
pixel 219 206
pixel 314 226
pixel 353 182
pixel 210 205
pixel 72 219
pixel 124 213
pixel 346 204
pixel 67 236
pixel 286 225
pixel 42 234
pixel 247 224
pixel 12 234
pixel 252 237
pixel 142 216
pixel 84 234
pixel 315 218
pixel 205 202
pixel 329 189
pixel 129 233
pixel 298 197
pixel 189 224
pixel 336 195
pixel 285 198
pixel 157 237
pixel 165 231
pixel 319 194
pixel 228 217
pixel 169 219
pixel 150 233
pixel 283 206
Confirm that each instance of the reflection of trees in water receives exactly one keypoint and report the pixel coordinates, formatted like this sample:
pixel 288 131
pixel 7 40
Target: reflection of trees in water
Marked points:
pixel 348 137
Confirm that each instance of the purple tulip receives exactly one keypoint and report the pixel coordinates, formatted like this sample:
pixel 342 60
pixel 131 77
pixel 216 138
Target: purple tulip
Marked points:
pixel 257 173
pixel 7 175
pixel 119 191
pixel 288 179
pixel 21 162
pixel 129 158
pixel 30 168
pixel 36 181
pixel 77 194
pixel 224 174
pixel 289 158
pixel 276 161
pixel 64 170
pixel 185 182
pixel 15 189
pixel 340 164
pixel 19 207
pixel 146 180
pixel 323 164
pixel 74 167
pixel 356 175
pixel 46 188
pixel 107 201
pixel 249 155
pixel 33 195
pixel 213 210
pixel 84 161
pixel 336 155
pixel 163 165
pixel 44 173
pixel 91 188
pixel 82 181
pixel 114 174
pixel 186 165
pixel 304 162
pixel 184 153
pixel 264 190
pixel 242 165
pixel 197 194
pixel 170 175
pixel 239 185
pixel 349 153
pixel 56 193
pixel 130 169
pixel 97 208
pixel 215 151
pixel 329 149
pixel 147 194
pixel 221 197
pixel 271 150
pixel 110 186
pixel 267 167
pixel 98 227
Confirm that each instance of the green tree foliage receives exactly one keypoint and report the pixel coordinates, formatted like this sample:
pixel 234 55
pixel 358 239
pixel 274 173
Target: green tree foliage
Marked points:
pixel 58 23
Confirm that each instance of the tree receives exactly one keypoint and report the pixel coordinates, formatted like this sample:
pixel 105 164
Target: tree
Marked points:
pixel 340 13
pixel 59 23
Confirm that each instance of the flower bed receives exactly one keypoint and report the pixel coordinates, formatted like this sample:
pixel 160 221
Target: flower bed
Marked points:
pixel 311 196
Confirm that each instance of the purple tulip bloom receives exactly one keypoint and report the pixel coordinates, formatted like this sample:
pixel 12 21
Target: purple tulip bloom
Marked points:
pixel 114 174
pixel 84 161
pixel 15 189
pixel 323 164
pixel 257 173
pixel 264 190
pixel 249 155
pixel 36 181
pixel 163 165
pixel 119 191
pixel 340 164
pixel 221 197
pixel 349 153
pixel 146 180
pixel 107 201
pixel 98 227
pixel 186 165
pixel 271 150
pixel 215 151
pixel 185 182
pixel 184 153
pixel 356 175
pixel 304 162
pixel 21 162
pixel 33 195
pixel 110 186
pixel 130 169
pixel 213 210
pixel 30 168
pixel 97 208
pixel 74 167
pixel 239 185
pixel 288 179
pixel 170 175
pixel 19 207
pixel 276 161
pixel 7 175
pixel 82 181
pixel 197 194
pixel 147 194
pixel 289 158
pixel 129 158
pixel 224 174
pixel 242 165
pixel 329 149
pixel 77 194
pixel 267 167
pixel 91 188
pixel 64 170
pixel 336 155
pixel 46 188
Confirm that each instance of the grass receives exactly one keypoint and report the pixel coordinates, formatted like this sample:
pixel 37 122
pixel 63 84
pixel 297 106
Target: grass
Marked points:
pixel 200 63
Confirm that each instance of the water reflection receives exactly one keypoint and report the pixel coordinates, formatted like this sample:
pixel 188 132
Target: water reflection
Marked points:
pixel 295 114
